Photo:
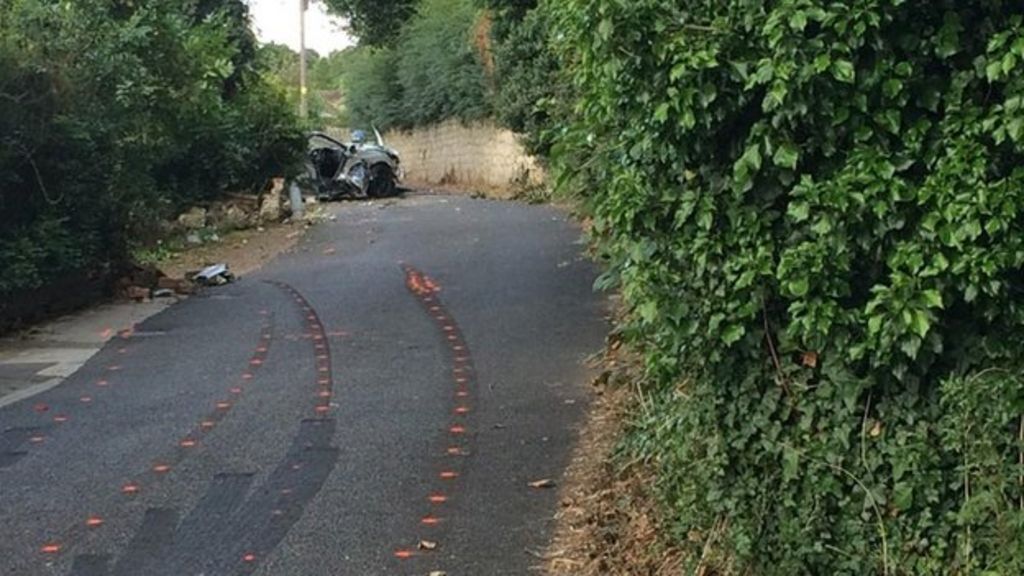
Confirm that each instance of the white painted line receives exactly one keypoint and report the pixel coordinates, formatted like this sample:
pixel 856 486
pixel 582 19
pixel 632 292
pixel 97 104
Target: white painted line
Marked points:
pixel 29 392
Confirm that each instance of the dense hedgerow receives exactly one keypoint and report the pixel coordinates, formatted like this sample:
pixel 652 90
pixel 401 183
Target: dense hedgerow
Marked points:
pixel 373 93
pixel 532 93
pixel 431 72
pixel 113 116
pixel 815 212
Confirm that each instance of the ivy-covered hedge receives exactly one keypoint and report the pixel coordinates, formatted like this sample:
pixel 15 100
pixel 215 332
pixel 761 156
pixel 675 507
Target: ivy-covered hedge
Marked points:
pixel 531 92
pixel 815 212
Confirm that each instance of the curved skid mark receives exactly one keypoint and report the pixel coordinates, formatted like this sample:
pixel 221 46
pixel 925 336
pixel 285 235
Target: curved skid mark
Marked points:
pixel 456 447
pixel 235 527
pixel 324 391
pixel 164 465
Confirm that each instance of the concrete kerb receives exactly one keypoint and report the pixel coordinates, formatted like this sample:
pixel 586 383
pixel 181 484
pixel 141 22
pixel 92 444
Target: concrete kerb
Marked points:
pixel 36 362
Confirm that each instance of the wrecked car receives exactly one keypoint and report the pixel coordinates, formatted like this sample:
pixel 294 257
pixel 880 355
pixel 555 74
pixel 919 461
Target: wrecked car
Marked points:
pixel 356 169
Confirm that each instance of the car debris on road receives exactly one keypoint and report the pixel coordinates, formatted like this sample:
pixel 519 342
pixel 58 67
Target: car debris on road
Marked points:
pixel 216 275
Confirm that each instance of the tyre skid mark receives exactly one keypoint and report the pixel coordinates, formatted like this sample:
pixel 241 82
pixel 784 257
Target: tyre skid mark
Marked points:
pixel 228 533
pixel 318 336
pixel 161 467
pixel 235 526
pixel 459 437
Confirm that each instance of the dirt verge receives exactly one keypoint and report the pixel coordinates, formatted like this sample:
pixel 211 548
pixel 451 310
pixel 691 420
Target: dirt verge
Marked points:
pixel 244 250
pixel 608 522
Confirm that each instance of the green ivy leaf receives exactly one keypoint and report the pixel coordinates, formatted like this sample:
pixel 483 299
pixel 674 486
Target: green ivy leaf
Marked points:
pixel 822 62
pixel 661 113
pixel 932 298
pixel 892 87
pixel 994 70
pixel 1009 63
pixel 798 21
pixel 648 311
pixel 911 346
pixel 903 495
pixel 874 324
pixel 677 71
pixel 798 287
pixel 843 71
pixel 786 155
pixel 799 211
pixel 733 333
pixel 747 166
pixel 971 293
pixel 891 120
pixel 920 323
pixel 790 463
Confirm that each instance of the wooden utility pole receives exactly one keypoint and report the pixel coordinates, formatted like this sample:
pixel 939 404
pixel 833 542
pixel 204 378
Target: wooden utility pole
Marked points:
pixel 303 107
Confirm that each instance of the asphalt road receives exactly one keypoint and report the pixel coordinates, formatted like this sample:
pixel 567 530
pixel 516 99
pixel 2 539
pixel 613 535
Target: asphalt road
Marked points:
pixel 374 403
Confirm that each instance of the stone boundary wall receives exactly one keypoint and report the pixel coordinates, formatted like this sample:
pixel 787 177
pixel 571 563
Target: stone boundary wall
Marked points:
pixel 481 156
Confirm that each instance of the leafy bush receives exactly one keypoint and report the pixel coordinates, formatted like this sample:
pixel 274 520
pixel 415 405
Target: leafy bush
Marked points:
pixel 438 66
pixel 373 94
pixel 532 92
pixel 815 212
pixel 324 81
pixel 125 114
pixel 432 73
pixel 375 22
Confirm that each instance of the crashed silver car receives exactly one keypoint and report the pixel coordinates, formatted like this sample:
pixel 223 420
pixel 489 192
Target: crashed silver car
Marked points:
pixel 355 169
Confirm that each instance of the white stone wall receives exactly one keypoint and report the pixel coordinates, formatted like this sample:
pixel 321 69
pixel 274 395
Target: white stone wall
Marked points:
pixel 479 155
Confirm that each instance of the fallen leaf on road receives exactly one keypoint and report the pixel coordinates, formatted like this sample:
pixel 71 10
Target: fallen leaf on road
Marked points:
pixel 438 573
pixel 427 545
pixel 545 483
pixel 329 251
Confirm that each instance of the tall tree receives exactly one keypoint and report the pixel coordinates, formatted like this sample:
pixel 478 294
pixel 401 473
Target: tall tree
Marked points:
pixel 237 19
pixel 374 22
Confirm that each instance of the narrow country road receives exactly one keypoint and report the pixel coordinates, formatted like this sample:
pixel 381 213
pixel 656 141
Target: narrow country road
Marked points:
pixel 375 403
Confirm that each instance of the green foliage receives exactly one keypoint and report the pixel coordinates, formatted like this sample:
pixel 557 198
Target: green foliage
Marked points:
pixel 324 79
pixel 438 65
pixel 326 72
pixel 511 11
pixel 282 63
pixel 433 72
pixel 532 92
pixel 375 22
pixel 373 94
pixel 814 213
pixel 124 114
pixel 29 252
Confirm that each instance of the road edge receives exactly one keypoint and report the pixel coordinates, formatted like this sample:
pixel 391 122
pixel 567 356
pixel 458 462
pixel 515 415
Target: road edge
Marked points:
pixel 44 339
pixel 609 521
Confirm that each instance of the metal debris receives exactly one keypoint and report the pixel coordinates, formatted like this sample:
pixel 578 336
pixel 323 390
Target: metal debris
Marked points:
pixel 215 275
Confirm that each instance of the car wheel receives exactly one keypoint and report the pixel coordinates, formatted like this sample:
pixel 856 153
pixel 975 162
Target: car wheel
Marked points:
pixel 382 181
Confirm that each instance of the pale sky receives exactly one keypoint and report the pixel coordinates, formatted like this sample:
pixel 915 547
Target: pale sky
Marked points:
pixel 278 21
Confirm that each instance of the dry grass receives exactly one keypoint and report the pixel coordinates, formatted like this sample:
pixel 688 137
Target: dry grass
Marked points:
pixel 244 250
pixel 608 523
